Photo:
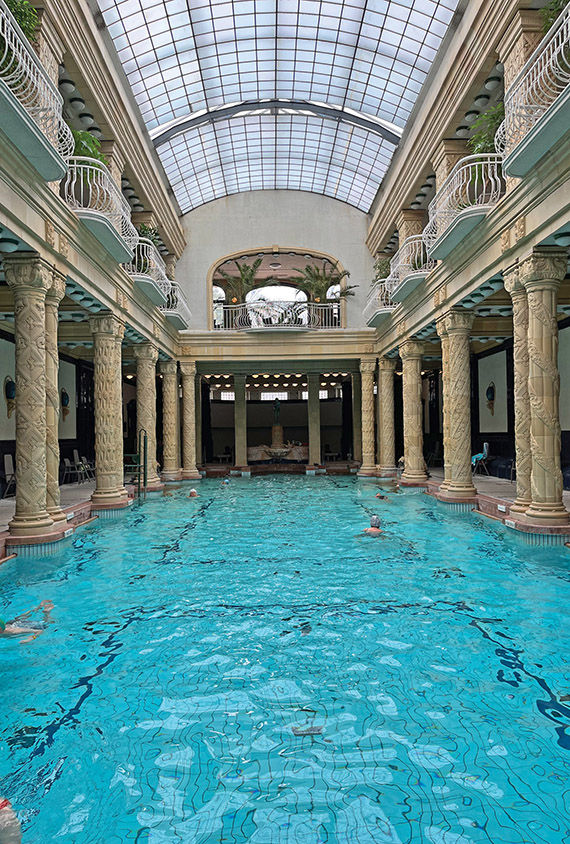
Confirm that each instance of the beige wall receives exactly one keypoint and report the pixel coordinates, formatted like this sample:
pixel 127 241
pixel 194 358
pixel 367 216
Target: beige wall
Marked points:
pixel 66 379
pixel 7 367
pixel 493 368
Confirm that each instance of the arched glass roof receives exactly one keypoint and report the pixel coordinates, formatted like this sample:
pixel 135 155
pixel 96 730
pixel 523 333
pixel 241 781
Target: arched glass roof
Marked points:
pixel 366 56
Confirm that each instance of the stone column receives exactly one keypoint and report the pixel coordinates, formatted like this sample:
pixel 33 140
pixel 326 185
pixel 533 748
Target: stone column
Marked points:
pixel 458 395
pixel 108 333
pixel 445 157
pixel 541 274
pixel 170 443
pixel 441 329
pixel 240 421
pixel 368 466
pixel 410 221
pixel 29 279
pixel 356 418
pixel 411 353
pixel 189 470
pixel 146 356
pixel 115 161
pixel 522 403
pixel 53 297
pixel 199 446
pixel 386 441
pixel 314 417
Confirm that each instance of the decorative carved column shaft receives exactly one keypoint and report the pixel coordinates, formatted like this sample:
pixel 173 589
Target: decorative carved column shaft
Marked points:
pixel 189 470
pixel 240 421
pixel 170 443
pixel 198 417
pixel 442 333
pixel 411 353
pixel 386 439
pixel 53 297
pixel 108 333
pixel 368 466
pixel 29 278
pixel 522 402
pixel 146 356
pixel 356 418
pixel 541 274
pixel 458 396
pixel 314 418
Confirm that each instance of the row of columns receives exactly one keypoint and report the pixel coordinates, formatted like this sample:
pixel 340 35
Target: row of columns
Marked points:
pixel 37 290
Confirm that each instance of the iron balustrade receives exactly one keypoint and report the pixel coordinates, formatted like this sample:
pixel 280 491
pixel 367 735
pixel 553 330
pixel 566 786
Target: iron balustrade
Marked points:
pixel 380 297
pixel 176 303
pixel 410 258
pixel 277 315
pixel 539 84
pixel 475 181
pixel 89 186
pixel 148 261
pixel 24 75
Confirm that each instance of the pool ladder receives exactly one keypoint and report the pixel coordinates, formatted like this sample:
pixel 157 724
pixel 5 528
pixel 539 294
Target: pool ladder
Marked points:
pixel 138 464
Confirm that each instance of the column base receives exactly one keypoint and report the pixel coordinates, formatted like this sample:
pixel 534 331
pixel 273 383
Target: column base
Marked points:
pixel 110 500
pixel 191 475
pixel 173 475
pixel 554 515
pixel 22 526
pixel 457 493
pixel 366 472
pixel 56 514
pixel 519 506
pixel 386 472
pixel 413 479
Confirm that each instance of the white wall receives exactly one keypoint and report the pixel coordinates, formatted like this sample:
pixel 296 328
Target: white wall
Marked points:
pixel 261 219
pixel 7 425
pixel 66 378
pixel 493 368
pixel 564 367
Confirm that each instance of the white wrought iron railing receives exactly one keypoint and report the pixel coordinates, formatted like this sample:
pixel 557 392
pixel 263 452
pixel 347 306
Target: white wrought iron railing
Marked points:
pixel 380 297
pixel 277 315
pixel 23 73
pixel 147 261
pixel 476 180
pixel 543 78
pixel 410 258
pixel 176 303
pixel 89 186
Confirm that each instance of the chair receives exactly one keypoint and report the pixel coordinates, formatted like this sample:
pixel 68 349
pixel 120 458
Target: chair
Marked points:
pixel 89 467
pixel 479 461
pixel 9 474
pixel 70 472
pixel 81 466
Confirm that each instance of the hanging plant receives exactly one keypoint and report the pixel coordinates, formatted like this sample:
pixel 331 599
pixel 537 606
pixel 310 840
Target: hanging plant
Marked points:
pixel 482 140
pixel 150 233
pixel 25 16
pixel 551 12
pixel 87 146
pixel 381 269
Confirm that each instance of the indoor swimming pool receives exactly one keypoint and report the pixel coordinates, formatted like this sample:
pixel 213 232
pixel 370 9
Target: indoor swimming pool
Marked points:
pixel 246 666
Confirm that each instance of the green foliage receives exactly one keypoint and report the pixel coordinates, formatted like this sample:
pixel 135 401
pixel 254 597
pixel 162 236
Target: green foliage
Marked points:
pixel 381 269
pixel 237 287
pixel 551 12
pixel 150 233
pixel 87 146
pixel 315 282
pixel 26 17
pixel 483 138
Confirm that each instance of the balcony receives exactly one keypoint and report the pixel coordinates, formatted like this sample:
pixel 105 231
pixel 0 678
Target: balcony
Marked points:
pixel 277 316
pixel 537 104
pixel 30 104
pixel 471 190
pixel 409 267
pixel 148 272
pixel 176 309
pixel 89 189
pixel 380 304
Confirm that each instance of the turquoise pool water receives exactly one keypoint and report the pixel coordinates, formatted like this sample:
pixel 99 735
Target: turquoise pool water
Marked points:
pixel 246 667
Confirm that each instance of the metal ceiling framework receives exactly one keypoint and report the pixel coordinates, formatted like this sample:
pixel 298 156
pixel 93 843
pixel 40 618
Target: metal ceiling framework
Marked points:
pixel 296 94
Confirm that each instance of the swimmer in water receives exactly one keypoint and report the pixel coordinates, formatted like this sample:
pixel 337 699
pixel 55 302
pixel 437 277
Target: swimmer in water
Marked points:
pixel 10 829
pixel 22 626
pixel 193 494
pixel 374 529
pixel 225 482
pixel 382 497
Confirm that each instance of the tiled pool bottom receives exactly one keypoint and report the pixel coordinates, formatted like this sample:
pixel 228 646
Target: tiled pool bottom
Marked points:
pixel 247 667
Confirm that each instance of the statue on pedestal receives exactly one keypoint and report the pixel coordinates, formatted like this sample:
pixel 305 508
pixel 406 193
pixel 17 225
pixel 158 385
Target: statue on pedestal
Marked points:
pixel 276 411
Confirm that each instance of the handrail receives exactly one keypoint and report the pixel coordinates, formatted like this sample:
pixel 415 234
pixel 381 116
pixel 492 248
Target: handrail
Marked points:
pixel 541 80
pixel 89 185
pixel 148 261
pixel 25 76
pixel 261 314
pixel 176 303
pixel 380 296
pixel 476 180
pixel 410 258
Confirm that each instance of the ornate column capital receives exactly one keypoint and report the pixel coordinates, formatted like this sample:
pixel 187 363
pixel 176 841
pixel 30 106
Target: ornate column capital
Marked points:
pixel 188 368
pixel 146 351
pixel 107 324
pixel 411 349
pixel 367 365
pixel 387 364
pixel 56 292
pixel 512 282
pixel 441 326
pixel 168 367
pixel 544 268
pixel 27 272
pixel 459 321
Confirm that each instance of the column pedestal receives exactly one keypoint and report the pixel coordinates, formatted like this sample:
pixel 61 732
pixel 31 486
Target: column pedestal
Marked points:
pixel 386 467
pixel 170 441
pixel 414 464
pixel 189 470
pixel 368 466
pixel 444 339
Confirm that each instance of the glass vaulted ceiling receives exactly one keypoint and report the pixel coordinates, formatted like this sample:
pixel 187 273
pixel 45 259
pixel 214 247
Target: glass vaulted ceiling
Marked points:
pixel 186 56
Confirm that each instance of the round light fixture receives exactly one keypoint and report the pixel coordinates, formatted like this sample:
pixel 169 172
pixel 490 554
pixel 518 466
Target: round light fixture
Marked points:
pixel 462 131
pixel 471 116
pixel 274 265
pixel 415 204
pixel 482 100
pixel 137 207
pixel 129 191
pixel 66 85
pixel 96 132
pixel 8 243
pixel 86 119
pixel 133 198
pixel 77 104
pixel 492 82
pixel 562 238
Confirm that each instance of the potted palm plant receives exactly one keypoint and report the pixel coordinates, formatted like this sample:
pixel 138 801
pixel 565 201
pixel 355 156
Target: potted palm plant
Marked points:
pixel 316 283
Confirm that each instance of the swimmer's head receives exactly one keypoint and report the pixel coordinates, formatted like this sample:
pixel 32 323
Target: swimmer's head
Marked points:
pixel 225 481
pixel 2 626
pixel 374 521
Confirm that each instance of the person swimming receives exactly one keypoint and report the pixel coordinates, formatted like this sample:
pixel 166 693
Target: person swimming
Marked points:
pixel 193 494
pixel 10 828
pixel 374 529
pixel 23 626
pixel 382 497
pixel 225 481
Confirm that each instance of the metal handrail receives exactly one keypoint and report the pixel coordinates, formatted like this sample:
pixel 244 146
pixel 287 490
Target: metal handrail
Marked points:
pixel 410 258
pixel 176 303
pixel 147 261
pixel 540 82
pixel 380 296
pixel 261 314
pixel 476 180
pixel 25 76
pixel 89 185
